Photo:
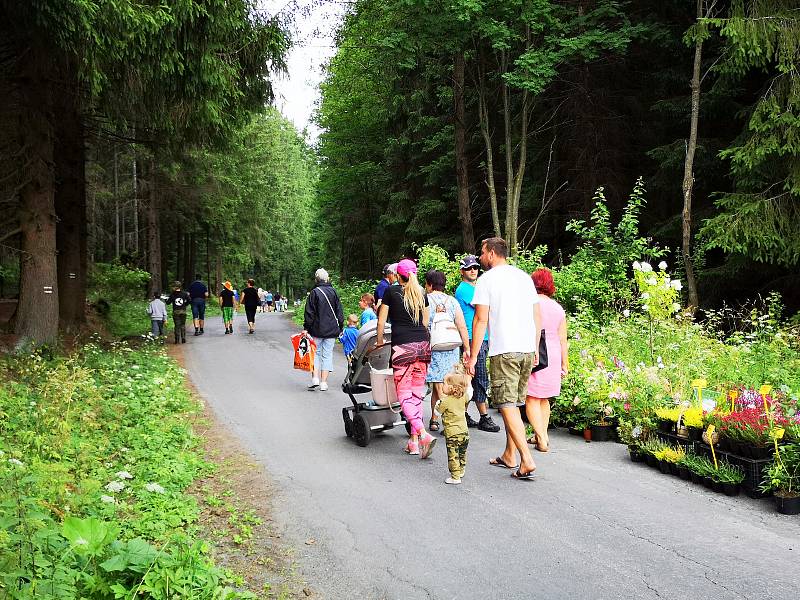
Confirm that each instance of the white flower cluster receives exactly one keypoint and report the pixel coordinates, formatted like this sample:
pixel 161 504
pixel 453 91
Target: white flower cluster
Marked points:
pixel 107 499
pixel 123 475
pixel 115 486
pixel 154 487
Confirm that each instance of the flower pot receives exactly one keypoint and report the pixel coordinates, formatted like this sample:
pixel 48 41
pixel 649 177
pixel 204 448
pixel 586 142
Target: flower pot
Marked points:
pixel 635 455
pixel 673 469
pixel 682 432
pixel 575 431
pixel 695 433
pixel 708 483
pixel 695 477
pixel 651 460
pixel 788 506
pixel 716 486
pixel 587 434
pixel 601 433
pixel 730 489
pixel 683 472
pixel 664 466
pixel 665 426
pixel 735 447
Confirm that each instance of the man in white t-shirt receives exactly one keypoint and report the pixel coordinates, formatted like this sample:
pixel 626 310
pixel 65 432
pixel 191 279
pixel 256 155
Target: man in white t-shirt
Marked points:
pixel 506 300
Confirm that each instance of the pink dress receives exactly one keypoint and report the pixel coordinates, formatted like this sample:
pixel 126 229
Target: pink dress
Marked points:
pixel 547 382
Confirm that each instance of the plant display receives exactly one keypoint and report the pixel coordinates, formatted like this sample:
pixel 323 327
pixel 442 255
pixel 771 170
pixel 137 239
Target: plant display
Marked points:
pixel 672 454
pixel 728 473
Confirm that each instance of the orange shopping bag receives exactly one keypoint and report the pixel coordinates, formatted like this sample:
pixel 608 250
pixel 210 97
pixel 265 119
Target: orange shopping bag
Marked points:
pixel 304 351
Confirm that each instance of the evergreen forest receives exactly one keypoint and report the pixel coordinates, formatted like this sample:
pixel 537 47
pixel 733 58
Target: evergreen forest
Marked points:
pixel 143 134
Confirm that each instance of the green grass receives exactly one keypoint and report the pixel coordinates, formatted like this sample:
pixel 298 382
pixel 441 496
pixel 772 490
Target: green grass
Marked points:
pixel 96 452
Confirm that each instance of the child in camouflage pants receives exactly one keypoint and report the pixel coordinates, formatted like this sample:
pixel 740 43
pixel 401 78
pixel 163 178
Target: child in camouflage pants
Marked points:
pixel 452 406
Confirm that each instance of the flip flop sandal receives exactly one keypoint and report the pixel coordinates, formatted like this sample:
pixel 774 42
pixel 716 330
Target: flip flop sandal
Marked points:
pixel 433 425
pixel 520 475
pixel 499 462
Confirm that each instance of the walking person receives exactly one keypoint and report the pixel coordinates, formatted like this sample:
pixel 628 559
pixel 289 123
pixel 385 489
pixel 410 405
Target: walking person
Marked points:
pixel 406 305
pixel 180 301
pixel 324 321
pixel 227 303
pixel 389 279
pixel 198 292
pixel 158 315
pixel 506 300
pixel 445 308
pixel 251 302
pixel 452 406
pixel 268 297
pixel 546 383
pixel 349 337
pixel 480 383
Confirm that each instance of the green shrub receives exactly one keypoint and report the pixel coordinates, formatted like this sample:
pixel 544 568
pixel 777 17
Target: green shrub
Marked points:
pixel 114 281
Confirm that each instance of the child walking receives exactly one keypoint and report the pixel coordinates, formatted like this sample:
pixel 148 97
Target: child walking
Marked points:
pixel 452 406
pixel 349 336
pixel 158 315
pixel 367 304
pixel 227 302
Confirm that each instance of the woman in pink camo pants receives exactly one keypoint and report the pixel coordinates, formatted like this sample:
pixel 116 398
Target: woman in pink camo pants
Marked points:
pixel 406 306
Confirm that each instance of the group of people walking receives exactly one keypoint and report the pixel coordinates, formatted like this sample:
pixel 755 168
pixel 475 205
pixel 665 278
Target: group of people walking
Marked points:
pixel 196 296
pixel 445 342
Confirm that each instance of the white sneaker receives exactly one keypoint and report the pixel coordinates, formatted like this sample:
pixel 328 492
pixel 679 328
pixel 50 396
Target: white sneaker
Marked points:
pixel 314 384
pixel 323 387
pixel 451 481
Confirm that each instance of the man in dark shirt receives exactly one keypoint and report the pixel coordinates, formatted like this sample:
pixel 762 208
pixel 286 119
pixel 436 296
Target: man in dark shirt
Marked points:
pixel 389 278
pixel 198 293
pixel 180 301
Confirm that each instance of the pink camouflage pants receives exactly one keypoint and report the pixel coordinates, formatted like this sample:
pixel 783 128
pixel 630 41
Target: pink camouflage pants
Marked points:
pixel 409 381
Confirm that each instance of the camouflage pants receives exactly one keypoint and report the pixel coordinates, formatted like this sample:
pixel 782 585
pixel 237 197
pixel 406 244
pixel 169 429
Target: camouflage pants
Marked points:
pixel 457 454
pixel 179 322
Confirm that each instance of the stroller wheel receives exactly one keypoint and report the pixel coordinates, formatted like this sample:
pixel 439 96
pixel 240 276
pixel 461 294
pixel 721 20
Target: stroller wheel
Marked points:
pixel 348 423
pixel 361 430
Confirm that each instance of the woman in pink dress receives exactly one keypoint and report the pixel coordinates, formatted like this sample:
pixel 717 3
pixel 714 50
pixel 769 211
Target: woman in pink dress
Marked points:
pixel 546 384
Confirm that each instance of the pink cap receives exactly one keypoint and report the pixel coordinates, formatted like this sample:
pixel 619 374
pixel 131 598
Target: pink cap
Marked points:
pixel 406 267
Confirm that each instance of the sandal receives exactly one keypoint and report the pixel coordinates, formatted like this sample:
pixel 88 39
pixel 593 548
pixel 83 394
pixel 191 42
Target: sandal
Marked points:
pixel 433 424
pixel 518 474
pixel 499 462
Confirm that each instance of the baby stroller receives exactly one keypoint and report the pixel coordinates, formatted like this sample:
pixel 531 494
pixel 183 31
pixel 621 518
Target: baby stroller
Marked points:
pixel 370 363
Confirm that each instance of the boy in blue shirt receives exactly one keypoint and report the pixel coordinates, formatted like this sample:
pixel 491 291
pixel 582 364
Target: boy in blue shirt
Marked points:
pixel 349 336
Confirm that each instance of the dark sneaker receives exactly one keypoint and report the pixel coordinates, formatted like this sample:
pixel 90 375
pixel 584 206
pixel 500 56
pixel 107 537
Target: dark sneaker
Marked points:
pixel 202 331
pixel 470 421
pixel 183 340
pixel 486 424
pixel 197 332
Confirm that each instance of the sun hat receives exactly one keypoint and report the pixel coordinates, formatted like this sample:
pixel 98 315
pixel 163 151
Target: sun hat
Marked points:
pixel 228 285
pixel 470 260
pixel 391 268
pixel 406 267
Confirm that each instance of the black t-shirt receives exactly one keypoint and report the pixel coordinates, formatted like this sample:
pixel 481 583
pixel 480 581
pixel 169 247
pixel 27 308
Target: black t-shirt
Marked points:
pixel 227 297
pixel 180 301
pixel 250 297
pixel 404 329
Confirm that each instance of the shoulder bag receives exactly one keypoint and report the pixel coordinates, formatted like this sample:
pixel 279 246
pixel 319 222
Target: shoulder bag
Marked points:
pixel 542 364
pixel 444 333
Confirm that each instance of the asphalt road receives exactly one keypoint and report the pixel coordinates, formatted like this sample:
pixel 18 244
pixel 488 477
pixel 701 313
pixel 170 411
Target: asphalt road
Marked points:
pixel 384 525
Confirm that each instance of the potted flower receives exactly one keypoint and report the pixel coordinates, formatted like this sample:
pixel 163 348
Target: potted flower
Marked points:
pixel 602 426
pixel 693 420
pixel 667 417
pixel 634 431
pixel 729 477
pixel 783 479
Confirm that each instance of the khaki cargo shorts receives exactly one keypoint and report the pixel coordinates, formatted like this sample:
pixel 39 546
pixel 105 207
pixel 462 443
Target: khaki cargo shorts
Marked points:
pixel 509 375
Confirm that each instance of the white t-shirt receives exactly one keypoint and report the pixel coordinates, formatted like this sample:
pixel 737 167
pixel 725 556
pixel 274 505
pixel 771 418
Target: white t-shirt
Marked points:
pixel 510 295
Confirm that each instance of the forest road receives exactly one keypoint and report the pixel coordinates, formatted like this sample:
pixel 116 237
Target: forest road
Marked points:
pixel 384 525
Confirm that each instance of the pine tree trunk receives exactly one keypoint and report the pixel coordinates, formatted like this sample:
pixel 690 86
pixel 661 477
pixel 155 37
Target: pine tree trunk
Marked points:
pixel 462 177
pixel 37 310
pixel 688 170
pixel 153 233
pixel 70 206
pixel 483 121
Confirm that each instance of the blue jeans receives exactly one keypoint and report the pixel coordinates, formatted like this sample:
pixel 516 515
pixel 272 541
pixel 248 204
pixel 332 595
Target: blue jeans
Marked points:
pixel 480 383
pixel 324 357
pixel 157 327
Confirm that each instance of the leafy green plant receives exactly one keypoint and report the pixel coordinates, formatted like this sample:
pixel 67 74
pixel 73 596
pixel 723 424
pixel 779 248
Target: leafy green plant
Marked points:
pixel 783 475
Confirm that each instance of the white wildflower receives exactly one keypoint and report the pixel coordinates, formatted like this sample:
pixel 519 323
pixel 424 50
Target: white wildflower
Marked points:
pixel 626 313
pixel 677 285
pixel 676 307
pixel 637 266
pixel 115 486
pixel 652 281
pixel 646 267
pixel 636 431
pixel 124 449
pixel 123 475
pixel 32 403
pixel 662 265
pixel 646 296
pixel 646 307
pixel 154 487
pixel 16 461
pixel 107 499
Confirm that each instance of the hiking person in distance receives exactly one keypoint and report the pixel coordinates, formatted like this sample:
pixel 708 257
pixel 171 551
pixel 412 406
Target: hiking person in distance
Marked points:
pixel 198 292
pixel 180 301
